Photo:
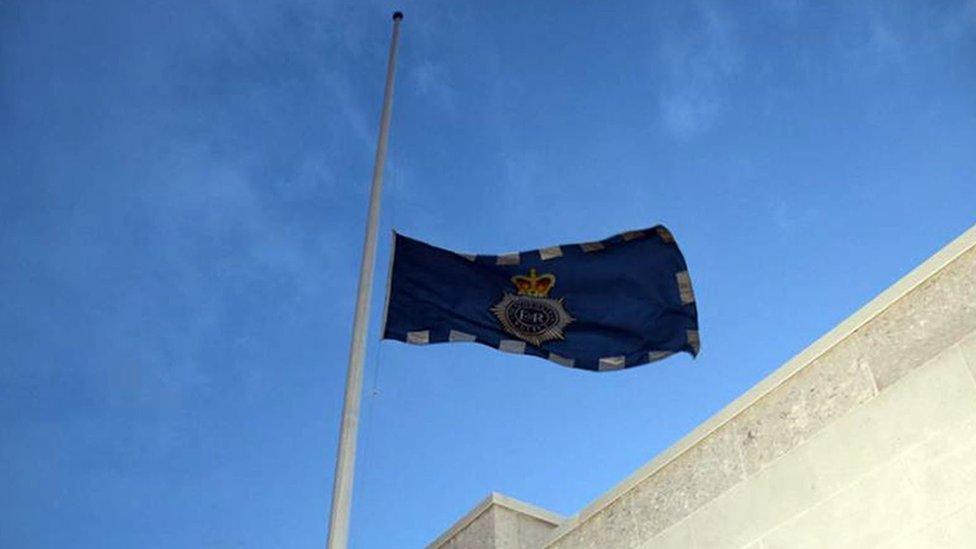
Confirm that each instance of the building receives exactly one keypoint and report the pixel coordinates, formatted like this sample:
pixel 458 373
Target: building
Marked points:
pixel 867 438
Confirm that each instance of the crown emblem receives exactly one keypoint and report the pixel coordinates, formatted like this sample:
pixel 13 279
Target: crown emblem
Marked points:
pixel 532 315
pixel 534 285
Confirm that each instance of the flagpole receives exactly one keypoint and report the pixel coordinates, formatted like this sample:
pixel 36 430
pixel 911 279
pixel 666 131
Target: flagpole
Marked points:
pixel 346 460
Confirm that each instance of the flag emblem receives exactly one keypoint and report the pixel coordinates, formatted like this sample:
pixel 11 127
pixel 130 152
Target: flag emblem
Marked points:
pixel 620 302
pixel 531 315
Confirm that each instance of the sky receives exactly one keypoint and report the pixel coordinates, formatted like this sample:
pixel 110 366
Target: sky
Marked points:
pixel 183 192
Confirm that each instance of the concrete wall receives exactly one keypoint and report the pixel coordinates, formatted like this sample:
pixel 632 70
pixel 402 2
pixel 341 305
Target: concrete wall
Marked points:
pixel 500 522
pixel 865 439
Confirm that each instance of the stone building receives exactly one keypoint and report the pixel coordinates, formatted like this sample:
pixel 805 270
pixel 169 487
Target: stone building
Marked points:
pixel 867 438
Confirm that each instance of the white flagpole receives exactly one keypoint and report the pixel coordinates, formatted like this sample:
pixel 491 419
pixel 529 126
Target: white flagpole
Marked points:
pixel 346 460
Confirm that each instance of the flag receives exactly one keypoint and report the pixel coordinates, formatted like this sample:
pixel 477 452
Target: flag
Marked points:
pixel 606 305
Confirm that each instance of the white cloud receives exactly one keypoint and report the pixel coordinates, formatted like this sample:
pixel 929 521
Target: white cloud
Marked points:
pixel 698 64
pixel 787 10
pixel 690 113
pixel 431 81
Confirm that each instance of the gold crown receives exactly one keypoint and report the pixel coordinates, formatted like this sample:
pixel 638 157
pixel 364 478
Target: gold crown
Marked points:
pixel 534 285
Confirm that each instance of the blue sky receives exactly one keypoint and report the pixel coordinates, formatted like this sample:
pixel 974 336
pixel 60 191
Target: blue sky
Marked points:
pixel 183 190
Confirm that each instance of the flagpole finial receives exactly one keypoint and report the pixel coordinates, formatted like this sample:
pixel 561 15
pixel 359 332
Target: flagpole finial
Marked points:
pixel 397 15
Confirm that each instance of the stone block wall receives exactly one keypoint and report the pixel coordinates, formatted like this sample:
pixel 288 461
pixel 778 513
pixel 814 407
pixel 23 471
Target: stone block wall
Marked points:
pixel 865 439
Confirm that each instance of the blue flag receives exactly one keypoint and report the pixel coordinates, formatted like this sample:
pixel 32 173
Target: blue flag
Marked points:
pixel 606 305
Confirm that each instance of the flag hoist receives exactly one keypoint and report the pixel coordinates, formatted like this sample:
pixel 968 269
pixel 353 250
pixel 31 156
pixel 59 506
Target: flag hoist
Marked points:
pixel 346 459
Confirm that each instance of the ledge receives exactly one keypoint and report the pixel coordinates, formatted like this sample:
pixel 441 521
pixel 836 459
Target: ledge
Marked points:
pixel 499 500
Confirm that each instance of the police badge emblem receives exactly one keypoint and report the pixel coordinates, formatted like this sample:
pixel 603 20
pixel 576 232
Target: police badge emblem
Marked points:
pixel 532 315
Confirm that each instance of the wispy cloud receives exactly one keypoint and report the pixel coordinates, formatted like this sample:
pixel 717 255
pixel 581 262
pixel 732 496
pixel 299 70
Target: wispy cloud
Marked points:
pixel 788 11
pixel 431 81
pixel 875 44
pixel 960 22
pixel 884 38
pixel 188 235
pixel 698 63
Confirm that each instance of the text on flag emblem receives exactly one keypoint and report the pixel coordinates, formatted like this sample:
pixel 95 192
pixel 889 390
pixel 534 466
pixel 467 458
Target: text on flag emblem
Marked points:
pixel 532 315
